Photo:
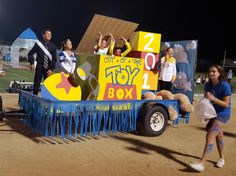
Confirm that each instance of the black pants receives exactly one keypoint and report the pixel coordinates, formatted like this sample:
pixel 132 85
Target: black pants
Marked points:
pixel 164 85
pixel 40 73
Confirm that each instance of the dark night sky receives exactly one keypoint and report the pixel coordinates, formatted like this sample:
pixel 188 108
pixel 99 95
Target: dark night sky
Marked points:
pixel 212 24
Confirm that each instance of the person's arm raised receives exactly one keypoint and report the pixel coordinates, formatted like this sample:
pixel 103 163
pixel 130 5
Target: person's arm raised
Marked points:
pixel 100 40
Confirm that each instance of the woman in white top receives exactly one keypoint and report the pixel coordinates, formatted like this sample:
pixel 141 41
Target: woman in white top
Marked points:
pixel 67 58
pixel 168 70
pixel 101 47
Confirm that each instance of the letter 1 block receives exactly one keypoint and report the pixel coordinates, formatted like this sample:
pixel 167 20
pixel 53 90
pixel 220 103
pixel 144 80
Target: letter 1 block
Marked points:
pixel 150 80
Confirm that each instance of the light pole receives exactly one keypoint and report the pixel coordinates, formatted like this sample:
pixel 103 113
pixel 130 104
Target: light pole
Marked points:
pixel 224 59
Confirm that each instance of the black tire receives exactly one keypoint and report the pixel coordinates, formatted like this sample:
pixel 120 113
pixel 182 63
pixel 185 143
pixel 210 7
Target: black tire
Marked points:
pixel 153 120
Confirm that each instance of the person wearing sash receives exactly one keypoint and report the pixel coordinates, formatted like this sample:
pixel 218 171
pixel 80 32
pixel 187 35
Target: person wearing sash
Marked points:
pixel 67 58
pixel 46 59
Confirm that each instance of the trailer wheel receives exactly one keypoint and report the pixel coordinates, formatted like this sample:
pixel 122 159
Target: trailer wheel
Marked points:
pixel 154 120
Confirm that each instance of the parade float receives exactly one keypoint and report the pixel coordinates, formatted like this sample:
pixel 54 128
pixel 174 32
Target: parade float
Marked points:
pixel 105 94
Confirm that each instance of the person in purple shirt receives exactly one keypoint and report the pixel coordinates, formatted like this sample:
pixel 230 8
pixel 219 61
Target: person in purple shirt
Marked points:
pixel 218 91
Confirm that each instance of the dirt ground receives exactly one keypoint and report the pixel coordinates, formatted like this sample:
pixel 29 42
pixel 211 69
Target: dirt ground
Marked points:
pixel 23 153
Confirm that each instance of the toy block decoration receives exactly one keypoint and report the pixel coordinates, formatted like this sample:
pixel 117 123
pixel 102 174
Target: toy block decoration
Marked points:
pixel 98 78
pixel 150 80
pixel 86 76
pixel 120 78
pixel 145 41
pixel 150 59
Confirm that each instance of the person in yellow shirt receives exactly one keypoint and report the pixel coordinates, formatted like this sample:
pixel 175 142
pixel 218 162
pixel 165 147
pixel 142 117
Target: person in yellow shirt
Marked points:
pixel 117 51
pixel 167 73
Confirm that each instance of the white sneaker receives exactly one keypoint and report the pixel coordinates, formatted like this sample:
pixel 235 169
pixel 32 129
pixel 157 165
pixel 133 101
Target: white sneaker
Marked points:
pixel 197 166
pixel 220 163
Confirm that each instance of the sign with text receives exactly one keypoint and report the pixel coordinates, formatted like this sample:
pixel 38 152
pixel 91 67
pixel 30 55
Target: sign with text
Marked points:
pixel 120 78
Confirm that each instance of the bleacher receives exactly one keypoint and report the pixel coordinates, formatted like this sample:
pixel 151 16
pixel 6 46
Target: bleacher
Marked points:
pixel 15 86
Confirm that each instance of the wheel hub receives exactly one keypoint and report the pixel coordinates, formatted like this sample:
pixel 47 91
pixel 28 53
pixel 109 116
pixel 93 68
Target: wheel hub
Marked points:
pixel 157 121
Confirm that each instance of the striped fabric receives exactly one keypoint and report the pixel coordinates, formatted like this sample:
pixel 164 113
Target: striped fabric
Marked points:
pixel 45 62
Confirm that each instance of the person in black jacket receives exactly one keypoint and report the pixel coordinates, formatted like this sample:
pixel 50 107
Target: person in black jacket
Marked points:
pixel 46 59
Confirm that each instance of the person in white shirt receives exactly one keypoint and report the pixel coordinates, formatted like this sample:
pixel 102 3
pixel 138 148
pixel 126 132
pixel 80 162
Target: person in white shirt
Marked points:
pixel 230 75
pixel 199 80
pixel 167 73
pixel 102 46
pixel 2 73
pixel 67 58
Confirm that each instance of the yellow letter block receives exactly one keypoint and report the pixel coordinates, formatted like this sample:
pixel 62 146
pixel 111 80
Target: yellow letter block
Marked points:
pixel 146 41
pixel 150 80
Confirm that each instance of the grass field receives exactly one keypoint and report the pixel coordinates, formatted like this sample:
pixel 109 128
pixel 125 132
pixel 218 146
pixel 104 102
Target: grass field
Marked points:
pixel 27 75
pixel 14 74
